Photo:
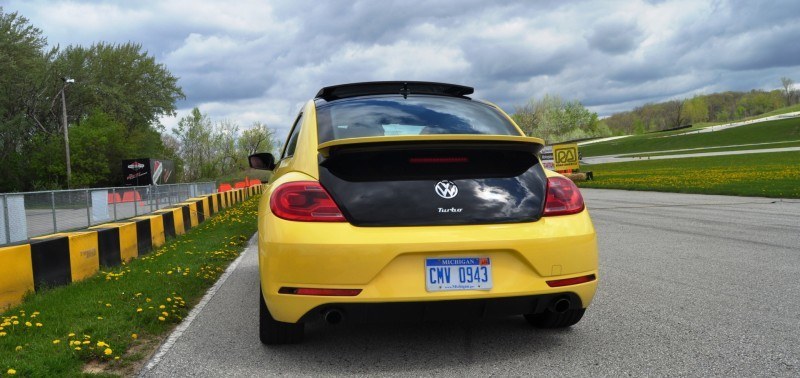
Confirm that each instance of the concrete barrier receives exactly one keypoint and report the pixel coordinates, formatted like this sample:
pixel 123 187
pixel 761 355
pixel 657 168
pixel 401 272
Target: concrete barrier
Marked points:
pixel 60 259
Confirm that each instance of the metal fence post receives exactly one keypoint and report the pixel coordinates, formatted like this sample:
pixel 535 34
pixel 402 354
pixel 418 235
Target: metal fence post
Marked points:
pixel 53 209
pixel 88 210
pixel 5 216
pixel 114 199
pixel 151 189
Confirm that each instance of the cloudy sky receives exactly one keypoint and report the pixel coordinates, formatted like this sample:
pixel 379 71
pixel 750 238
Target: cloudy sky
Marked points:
pixel 260 60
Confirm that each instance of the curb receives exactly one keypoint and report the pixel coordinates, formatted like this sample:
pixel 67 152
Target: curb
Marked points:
pixel 63 258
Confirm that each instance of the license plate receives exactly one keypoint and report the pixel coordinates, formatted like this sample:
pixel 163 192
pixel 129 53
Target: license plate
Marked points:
pixel 458 273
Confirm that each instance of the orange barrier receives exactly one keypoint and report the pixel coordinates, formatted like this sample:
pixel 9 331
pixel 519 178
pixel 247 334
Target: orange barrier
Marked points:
pixel 224 187
pixel 240 185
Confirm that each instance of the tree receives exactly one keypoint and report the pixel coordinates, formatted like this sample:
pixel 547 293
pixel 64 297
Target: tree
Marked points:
pixel 121 80
pixel 194 135
pixel 258 138
pixel 554 119
pixel 695 110
pixel 787 89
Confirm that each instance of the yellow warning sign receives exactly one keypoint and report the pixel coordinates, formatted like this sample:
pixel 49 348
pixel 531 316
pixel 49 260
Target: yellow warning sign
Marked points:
pixel 565 156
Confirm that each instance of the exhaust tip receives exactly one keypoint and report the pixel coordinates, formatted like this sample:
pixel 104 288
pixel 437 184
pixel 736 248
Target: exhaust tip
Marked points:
pixel 333 317
pixel 560 305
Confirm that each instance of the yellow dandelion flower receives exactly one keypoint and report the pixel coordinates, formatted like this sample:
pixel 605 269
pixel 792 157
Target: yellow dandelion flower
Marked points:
pixel 147 300
pixel 85 342
pixel 108 304
pixel 169 299
pixel 170 272
pixel 3 334
pixel 139 309
pixel 18 348
pixel 116 357
pixel 71 334
pixel 134 336
pixel 11 372
pixel 162 307
pixel 39 324
pixel 28 324
pixel 108 351
pixel 99 318
pixel 161 318
pixel 77 348
pixel 164 313
pixel 101 344
pixel 15 322
pixel 56 341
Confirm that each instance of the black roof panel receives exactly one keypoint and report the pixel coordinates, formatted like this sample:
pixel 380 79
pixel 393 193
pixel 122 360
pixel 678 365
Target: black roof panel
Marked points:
pixel 336 92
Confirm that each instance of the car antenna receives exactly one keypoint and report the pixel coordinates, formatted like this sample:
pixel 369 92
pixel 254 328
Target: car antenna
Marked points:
pixel 405 91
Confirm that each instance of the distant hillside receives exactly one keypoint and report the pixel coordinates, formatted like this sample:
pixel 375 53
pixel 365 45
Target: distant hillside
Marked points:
pixel 716 107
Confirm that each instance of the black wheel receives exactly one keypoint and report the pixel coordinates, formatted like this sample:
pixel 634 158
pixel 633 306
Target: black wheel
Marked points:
pixel 551 319
pixel 273 332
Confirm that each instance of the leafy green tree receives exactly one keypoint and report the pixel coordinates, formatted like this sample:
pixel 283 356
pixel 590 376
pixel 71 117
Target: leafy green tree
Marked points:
pixel 258 138
pixel 695 110
pixel 554 119
pixel 194 135
pixel 121 80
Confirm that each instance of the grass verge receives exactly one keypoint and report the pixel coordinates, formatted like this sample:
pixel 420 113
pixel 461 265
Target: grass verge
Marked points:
pixel 763 175
pixel 762 132
pixel 112 321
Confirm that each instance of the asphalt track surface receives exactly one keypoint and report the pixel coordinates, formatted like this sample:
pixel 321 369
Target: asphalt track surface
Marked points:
pixel 691 285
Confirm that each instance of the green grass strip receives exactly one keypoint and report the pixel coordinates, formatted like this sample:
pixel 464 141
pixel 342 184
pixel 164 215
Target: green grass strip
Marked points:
pixel 113 320
pixel 761 175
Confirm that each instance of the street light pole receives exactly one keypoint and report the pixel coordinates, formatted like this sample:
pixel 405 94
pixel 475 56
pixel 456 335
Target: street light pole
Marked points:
pixel 66 126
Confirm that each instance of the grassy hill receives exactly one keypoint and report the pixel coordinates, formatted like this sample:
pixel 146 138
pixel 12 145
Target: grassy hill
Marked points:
pixel 786 130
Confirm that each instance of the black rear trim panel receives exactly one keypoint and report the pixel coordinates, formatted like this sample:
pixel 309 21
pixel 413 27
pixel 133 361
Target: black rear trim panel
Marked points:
pixel 467 309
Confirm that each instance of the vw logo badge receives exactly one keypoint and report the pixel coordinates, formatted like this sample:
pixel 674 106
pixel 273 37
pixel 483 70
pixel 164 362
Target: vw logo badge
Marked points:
pixel 446 189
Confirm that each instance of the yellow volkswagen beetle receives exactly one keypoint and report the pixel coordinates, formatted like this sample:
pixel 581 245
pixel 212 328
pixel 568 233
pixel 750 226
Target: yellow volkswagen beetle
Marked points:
pixel 397 201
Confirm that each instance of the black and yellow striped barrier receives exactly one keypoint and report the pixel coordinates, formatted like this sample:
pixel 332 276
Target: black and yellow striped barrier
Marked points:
pixel 60 259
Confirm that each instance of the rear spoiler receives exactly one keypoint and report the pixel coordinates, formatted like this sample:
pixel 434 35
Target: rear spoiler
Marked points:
pixel 328 148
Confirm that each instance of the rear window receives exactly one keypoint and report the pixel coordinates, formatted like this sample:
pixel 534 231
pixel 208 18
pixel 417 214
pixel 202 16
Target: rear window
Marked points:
pixel 415 115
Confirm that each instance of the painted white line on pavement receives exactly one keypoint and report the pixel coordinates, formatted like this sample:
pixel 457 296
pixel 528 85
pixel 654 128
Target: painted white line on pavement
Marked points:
pixel 176 334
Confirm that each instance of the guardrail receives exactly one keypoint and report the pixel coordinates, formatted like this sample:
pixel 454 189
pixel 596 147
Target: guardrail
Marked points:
pixel 31 214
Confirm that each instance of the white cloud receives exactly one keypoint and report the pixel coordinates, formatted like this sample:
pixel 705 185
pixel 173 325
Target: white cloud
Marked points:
pixel 258 60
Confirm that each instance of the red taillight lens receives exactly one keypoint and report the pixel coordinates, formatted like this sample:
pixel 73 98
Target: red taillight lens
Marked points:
pixel 320 292
pixel 563 197
pixel 305 201
pixel 571 281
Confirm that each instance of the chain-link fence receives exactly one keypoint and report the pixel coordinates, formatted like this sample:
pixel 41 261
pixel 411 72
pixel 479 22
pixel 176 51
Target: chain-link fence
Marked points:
pixel 27 215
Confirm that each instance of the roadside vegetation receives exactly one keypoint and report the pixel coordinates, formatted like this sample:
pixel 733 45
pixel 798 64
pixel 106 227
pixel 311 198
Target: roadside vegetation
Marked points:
pixel 114 96
pixel 760 175
pixel 112 322
pixel 785 130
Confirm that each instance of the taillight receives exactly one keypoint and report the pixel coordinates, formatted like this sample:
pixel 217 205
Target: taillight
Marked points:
pixel 571 281
pixel 305 201
pixel 563 197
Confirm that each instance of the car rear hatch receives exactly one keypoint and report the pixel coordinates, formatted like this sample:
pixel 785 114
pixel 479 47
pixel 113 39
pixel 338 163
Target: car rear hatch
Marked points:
pixel 434 179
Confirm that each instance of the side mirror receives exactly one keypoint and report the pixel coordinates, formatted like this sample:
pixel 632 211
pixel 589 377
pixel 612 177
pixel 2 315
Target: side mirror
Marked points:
pixel 263 160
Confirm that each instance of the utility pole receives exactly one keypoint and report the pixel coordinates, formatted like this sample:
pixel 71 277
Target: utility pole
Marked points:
pixel 66 81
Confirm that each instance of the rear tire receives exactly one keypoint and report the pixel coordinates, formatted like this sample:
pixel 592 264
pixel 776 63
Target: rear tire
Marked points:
pixel 273 332
pixel 550 319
